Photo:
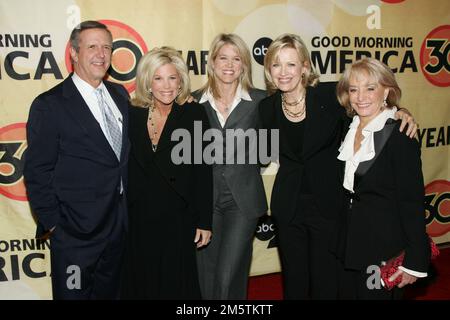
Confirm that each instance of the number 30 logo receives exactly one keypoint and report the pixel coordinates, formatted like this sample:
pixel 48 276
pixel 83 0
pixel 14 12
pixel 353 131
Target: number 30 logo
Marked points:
pixel 434 56
pixel 13 143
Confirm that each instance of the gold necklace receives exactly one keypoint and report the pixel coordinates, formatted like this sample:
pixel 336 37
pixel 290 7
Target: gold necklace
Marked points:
pixel 153 131
pixel 291 104
pixel 290 113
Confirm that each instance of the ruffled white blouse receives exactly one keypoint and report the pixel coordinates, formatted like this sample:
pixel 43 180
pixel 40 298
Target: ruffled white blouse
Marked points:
pixel 367 150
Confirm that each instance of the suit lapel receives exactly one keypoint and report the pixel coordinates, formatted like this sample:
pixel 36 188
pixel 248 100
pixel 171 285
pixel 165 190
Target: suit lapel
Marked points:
pixel 142 146
pixel 212 115
pixel 237 114
pixel 171 124
pixel 80 111
pixel 380 138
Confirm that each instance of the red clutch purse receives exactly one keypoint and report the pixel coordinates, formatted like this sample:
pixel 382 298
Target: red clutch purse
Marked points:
pixel 390 267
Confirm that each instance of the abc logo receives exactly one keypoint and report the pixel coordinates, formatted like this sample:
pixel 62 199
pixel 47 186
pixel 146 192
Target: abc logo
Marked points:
pixel 265 229
pixel 260 49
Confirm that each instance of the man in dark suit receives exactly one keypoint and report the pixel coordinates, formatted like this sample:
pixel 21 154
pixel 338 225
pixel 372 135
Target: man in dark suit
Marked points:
pixel 75 170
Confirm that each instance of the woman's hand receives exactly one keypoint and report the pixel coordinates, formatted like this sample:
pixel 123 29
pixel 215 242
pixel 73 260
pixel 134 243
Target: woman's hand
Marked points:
pixel 202 237
pixel 406 278
pixel 407 119
pixel 190 99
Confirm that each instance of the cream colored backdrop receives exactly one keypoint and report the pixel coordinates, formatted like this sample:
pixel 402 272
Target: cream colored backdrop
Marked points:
pixel 412 36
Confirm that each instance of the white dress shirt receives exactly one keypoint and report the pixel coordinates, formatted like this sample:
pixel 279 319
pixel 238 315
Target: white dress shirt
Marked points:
pixel 89 96
pixel 241 94
pixel 365 153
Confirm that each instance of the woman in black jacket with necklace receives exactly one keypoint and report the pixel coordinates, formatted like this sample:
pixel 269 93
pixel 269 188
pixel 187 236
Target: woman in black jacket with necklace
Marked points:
pixel 307 195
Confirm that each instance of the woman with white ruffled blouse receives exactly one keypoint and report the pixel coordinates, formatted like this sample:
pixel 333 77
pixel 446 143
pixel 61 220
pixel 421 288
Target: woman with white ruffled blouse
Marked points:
pixel 384 182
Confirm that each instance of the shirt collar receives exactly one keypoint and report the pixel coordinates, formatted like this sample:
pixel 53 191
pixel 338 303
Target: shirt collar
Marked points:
pixel 241 93
pixel 83 85
pixel 367 145
pixel 380 120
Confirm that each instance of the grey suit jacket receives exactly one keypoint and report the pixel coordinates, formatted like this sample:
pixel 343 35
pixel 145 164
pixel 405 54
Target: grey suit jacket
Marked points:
pixel 244 180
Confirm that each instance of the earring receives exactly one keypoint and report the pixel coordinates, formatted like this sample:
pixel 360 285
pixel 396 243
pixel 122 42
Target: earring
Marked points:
pixel 384 105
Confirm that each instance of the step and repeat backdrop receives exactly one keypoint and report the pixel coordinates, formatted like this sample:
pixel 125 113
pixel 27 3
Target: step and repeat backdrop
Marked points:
pixel 411 36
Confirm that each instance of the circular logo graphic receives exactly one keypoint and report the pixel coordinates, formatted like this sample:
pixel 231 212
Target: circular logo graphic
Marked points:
pixel 260 49
pixel 266 231
pixel 128 48
pixel 437 206
pixel 434 56
pixel 13 143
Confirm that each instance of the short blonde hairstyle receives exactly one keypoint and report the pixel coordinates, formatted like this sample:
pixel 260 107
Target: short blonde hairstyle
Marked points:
pixel 377 71
pixel 146 69
pixel 219 41
pixel 293 41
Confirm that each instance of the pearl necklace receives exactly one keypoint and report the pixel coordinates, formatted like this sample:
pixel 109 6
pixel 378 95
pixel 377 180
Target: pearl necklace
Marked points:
pixel 290 113
pixel 153 131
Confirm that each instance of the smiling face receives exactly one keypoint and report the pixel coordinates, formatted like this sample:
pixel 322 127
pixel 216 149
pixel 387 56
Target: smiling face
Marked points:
pixel 366 96
pixel 286 71
pixel 165 85
pixel 228 64
pixel 93 57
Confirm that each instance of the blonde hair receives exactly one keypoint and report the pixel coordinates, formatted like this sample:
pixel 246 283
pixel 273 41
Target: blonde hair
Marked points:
pixel 146 69
pixel 288 40
pixel 219 41
pixel 376 70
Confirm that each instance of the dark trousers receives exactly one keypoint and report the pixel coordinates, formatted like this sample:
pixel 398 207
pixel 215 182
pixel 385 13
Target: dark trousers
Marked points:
pixel 84 269
pixel 224 264
pixel 308 267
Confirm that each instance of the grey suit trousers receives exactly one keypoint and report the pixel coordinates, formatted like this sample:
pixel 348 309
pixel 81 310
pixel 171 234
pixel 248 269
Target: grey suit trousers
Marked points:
pixel 224 264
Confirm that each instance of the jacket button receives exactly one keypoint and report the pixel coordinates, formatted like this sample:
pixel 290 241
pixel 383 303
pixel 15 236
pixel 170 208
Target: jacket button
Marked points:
pixel 172 179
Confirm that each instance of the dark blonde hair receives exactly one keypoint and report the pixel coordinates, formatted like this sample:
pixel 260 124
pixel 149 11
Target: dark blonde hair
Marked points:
pixel 287 40
pixel 146 69
pixel 376 70
pixel 219 41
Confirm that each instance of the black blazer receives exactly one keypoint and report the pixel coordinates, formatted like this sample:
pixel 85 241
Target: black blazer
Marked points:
pixel 388 212
pixel 71 172
pixel 324 123
pixel 193 182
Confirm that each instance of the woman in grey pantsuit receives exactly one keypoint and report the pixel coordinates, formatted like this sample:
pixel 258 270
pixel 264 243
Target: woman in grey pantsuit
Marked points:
pixel 239 198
